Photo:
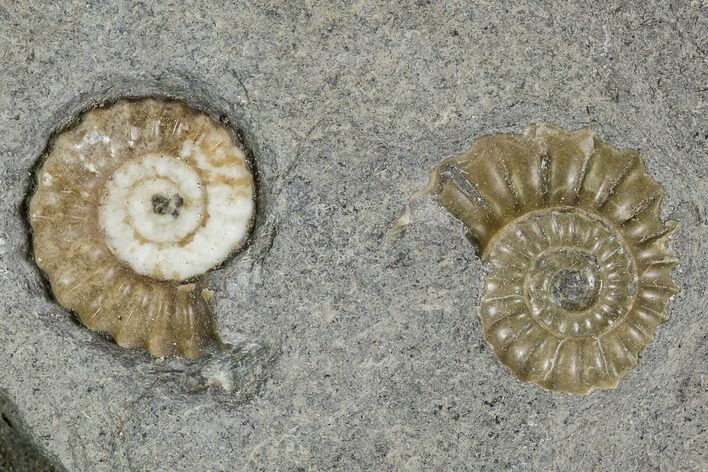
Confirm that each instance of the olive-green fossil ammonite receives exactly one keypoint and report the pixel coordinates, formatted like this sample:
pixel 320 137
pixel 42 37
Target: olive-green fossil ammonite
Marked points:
pixel 580 273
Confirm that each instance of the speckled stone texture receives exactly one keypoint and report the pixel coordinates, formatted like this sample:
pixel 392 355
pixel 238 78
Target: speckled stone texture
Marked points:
pixel 374 357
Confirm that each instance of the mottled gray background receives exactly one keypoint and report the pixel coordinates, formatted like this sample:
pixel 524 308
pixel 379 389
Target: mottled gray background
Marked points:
pixel 374 357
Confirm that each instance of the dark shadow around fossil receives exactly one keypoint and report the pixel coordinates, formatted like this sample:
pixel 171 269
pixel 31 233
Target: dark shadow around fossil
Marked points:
pixel 134 202
pixel 579 269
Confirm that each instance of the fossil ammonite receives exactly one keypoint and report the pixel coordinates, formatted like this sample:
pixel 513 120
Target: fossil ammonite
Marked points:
pixel 133 203
pixel 579 269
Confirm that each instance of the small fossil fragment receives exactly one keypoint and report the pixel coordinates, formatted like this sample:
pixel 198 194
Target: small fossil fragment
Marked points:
pixel 132 204
pixel 580 272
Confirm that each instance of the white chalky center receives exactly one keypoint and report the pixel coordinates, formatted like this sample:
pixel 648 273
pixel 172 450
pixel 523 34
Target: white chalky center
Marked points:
pixel 161 219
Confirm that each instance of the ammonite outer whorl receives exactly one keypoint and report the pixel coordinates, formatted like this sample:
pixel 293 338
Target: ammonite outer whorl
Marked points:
pixel 132 204
pixel 580 273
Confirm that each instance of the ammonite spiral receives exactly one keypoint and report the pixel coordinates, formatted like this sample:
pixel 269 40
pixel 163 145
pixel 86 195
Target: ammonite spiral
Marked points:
pixel 133 203
pixel 580 273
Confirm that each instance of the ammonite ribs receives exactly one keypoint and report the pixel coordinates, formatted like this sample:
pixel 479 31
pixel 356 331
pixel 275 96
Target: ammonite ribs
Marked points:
pixel 132 205
pixel 580 273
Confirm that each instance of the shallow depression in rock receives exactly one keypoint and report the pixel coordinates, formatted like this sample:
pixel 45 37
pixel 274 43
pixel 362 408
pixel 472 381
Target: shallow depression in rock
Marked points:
pixel 134 203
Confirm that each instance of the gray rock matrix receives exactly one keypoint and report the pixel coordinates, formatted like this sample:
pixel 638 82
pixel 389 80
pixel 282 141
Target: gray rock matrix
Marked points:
pixel 351 352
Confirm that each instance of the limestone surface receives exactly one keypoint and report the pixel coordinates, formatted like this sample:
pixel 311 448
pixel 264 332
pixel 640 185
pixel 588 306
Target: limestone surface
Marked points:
pixel 354 351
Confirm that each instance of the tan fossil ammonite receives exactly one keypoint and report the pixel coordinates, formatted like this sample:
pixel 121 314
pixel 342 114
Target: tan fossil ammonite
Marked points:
pixel 580 273
pixel 133 203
